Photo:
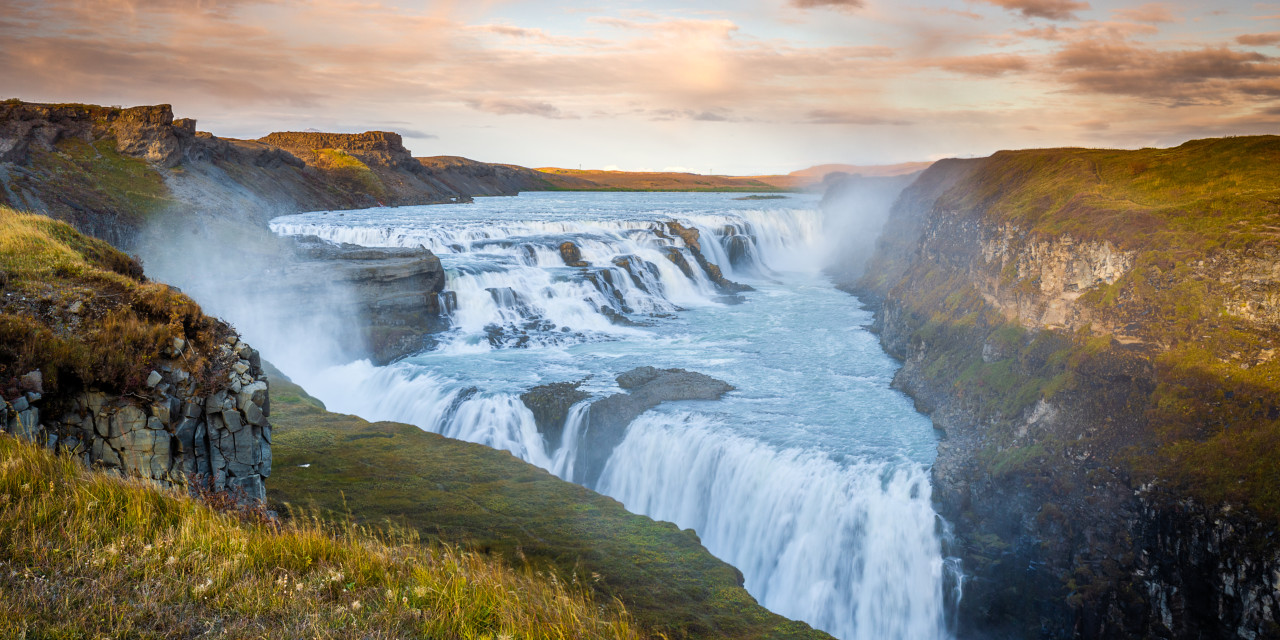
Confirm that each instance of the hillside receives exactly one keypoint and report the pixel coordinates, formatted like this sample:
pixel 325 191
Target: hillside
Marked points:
pixel 490 502
pixel 86 554
pixel 1095 331
pixel 599 180
pixel 122 374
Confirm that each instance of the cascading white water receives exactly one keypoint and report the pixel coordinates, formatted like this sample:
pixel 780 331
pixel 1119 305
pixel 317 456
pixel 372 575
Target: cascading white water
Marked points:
pixel 849 548
pixel 810 478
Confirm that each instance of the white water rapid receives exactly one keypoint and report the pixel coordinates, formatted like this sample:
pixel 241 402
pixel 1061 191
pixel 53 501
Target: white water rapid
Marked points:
pixel 811 476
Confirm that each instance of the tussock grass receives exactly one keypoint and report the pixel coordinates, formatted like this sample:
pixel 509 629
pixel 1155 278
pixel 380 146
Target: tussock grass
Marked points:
pixel 81 311
pixel 87 554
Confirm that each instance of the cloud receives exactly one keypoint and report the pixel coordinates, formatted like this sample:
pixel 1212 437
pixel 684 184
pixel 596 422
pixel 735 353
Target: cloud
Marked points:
pixel 991 65
pixel 1048 9
pixel 828 116
pixel 1150 13
pixel 838 5
pixel 1212 75
pixel 1094 125
pixel 516 106
pixel 1259 39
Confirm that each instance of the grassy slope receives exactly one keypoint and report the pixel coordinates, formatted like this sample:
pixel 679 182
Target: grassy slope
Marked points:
pixel 1211 428
pixel 121 326
pixel 87 554
pixel 486 499
pixel 79 181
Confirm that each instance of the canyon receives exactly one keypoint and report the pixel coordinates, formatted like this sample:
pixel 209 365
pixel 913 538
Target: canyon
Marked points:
pixel 1090 333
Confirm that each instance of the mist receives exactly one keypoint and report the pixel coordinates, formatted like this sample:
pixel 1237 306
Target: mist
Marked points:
pixel 855 209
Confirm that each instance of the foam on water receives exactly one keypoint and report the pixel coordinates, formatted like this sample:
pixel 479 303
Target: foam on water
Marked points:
pixel 811 477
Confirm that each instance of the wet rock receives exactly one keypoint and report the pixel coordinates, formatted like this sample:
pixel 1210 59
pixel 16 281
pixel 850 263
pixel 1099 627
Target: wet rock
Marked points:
pixel 572 255
pixel 647 388
pixel 550 405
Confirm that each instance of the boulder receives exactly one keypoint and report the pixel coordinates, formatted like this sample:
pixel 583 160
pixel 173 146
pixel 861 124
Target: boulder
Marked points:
pixel 647 387
pixel 571 254
pixel 550 405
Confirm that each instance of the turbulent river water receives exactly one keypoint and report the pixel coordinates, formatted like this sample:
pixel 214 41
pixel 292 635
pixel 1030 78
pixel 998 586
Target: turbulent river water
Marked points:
pixel 811 477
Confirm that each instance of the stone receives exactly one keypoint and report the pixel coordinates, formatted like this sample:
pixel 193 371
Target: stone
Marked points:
pixel 75 308
pixel 154 379
pixel 28 425
pixel 32 381
pixel 192 409
pixel 264 457
pixel 155 424
pixel 185 434
pixel 20 403
pixel 248 488
pixel 255 393
pixel 128 418
pixel 247 447
pixel 571 254
pixel 179 345
pixel 254 416
pixel 232 421
pixel 240 367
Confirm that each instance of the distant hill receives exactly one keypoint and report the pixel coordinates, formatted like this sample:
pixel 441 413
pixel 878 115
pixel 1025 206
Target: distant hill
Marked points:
pixel 804 179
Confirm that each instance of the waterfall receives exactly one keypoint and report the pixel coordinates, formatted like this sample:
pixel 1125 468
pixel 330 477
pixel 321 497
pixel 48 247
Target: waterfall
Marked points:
pixel 851 549
pixel 826 513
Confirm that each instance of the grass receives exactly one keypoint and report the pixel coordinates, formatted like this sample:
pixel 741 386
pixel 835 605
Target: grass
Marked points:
pixel 80 179
pixel 1197 382
pixel 348 173
pixel 87 554
pixel 83 313
pixel 492 503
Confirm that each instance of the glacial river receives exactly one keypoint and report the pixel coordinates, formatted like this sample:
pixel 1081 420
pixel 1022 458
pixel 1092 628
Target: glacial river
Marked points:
pixel 811 477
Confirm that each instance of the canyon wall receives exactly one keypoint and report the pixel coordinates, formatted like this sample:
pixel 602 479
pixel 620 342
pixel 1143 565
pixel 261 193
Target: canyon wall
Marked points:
pixel 1103 373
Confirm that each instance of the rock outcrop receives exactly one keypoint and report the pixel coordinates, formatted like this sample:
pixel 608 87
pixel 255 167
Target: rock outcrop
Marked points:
pixel 394 295
pixel 168 433
pixel 1076 374
pixel 482 178
pixel 689 236
pixel 646 388
pixel 550 404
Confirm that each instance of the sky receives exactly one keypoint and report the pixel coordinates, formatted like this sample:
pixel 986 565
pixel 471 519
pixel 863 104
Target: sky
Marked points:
pixel 731 87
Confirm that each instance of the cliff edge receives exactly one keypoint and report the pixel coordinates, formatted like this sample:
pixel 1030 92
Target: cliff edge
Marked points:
pixel 1094 332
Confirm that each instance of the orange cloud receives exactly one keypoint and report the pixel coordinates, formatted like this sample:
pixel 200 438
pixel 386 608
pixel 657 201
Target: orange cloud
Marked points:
pixel 1048 9
pixel 990 65
pixel 1259 39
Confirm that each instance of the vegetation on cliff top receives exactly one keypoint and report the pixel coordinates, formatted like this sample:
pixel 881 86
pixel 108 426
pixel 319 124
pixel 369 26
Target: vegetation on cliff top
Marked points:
pixel 88 554
pixel 1204 194
pixel 79 178
pixel 83 313
pixel 490 502
pixel 1203 382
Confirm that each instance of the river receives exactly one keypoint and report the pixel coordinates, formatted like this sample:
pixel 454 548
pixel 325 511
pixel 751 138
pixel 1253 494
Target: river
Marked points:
pixel 811 477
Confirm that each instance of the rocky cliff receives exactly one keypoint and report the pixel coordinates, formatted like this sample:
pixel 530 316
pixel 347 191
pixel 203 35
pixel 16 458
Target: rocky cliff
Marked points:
pixel 121 372
pixel 484 179
pixel 1094 331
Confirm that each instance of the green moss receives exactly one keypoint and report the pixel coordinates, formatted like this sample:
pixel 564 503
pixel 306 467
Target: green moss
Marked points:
pixel 493 503
pixel 349 174
pixel 79 177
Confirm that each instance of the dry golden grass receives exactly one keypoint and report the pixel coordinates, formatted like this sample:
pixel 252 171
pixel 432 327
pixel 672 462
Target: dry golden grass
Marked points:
pixel 90 555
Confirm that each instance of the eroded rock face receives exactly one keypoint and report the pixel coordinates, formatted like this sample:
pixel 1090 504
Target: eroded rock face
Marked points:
pixel 394 294
pixel 550 404
pixel 168 434
pixel 646 387
pixel 689 236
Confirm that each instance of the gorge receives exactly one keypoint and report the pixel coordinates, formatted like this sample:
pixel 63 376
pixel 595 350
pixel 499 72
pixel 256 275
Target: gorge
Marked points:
pixel 1048 410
